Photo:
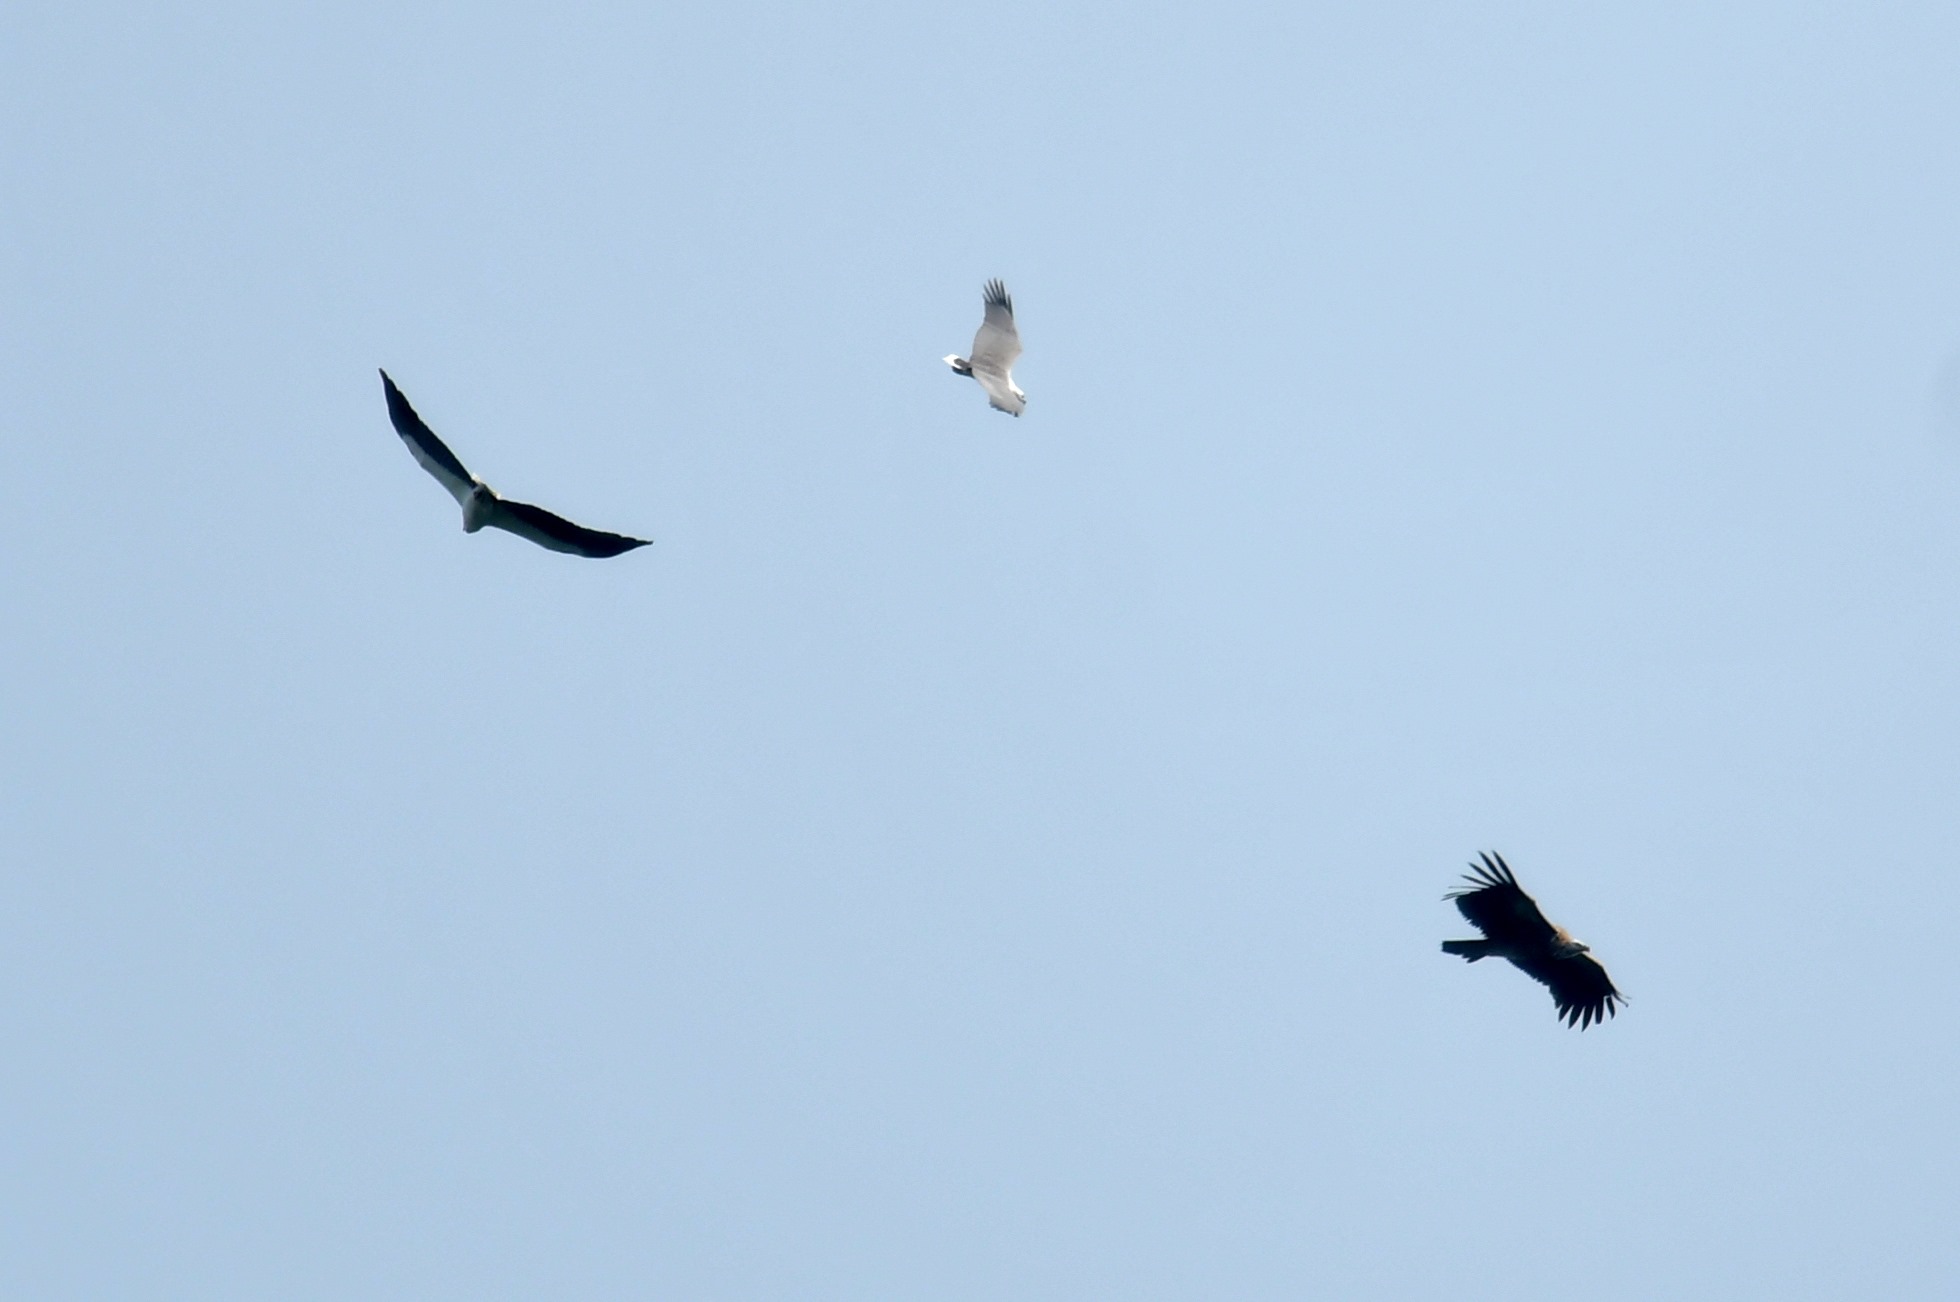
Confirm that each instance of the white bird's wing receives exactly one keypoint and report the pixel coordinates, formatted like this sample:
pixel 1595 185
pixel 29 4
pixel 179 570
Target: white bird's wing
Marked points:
pixel 556 532
pixel 427 449
pixel 1001 393
pixel 997 343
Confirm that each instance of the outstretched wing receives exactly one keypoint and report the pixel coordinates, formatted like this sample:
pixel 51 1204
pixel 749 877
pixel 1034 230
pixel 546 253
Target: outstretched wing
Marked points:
pixel 1000 393
pixel 423 444
pixel 558 533
pixel 1579 985
pixel 997 343
pixel 1496 905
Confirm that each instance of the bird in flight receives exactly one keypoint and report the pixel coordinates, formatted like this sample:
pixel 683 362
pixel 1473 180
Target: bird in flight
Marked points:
pixel 995 347
pixel 481 505
pixel 1514 929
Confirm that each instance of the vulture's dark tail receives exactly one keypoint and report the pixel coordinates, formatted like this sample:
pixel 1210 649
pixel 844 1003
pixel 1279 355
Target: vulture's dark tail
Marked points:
pixel 1468 950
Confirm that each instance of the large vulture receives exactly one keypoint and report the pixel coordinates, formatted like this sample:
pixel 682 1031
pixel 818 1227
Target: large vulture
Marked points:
pixel 482 506
pixel 995 346
pixel 1514 928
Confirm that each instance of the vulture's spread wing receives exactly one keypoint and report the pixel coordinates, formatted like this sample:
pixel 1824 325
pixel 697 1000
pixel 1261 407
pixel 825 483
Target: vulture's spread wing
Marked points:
pixel 1496 905
pixel 558 533
pixel 997 343
pixel 423 444
pixel 1579 985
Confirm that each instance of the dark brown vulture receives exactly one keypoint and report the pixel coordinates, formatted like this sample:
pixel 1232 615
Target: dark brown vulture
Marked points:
pixel 1514 928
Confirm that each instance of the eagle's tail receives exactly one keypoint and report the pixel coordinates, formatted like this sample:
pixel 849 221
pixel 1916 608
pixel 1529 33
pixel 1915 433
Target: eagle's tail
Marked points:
pixel 1469 950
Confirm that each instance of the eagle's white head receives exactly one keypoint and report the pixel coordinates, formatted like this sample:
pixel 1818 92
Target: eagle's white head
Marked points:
pixel 479 506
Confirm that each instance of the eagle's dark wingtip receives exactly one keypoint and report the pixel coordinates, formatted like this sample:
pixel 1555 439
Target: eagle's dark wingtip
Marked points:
pixel 618 547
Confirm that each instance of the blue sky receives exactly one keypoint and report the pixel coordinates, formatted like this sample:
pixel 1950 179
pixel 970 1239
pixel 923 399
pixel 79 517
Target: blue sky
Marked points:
pixel 969 857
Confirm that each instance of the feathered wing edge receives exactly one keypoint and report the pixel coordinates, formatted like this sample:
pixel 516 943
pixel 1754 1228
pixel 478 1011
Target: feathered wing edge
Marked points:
pixel 1493 871
pixel 1496 905
pixel 1000 392
pixel 997 343
pixel 430 452
pixel 994 294
pixel 1581 990
pixel 553 531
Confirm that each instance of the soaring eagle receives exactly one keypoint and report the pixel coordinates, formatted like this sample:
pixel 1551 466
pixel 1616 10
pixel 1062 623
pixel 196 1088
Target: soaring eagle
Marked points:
pixel 1514 928
pixel 482 506
pixel 994 349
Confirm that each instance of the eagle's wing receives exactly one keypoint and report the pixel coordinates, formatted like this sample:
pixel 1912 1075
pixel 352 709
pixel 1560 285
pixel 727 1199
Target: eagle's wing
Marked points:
pixel 556 532
pixel 997 343
pixel 426 448
pixel 1496 905
pixel 1579 985
pixel 1000 393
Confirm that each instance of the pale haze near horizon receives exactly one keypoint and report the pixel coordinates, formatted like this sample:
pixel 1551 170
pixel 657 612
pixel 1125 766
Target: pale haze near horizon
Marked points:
pixel 969 857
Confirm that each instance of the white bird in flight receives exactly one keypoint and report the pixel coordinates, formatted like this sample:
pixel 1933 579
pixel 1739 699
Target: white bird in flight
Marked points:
pixel 481 506
pixel 995 347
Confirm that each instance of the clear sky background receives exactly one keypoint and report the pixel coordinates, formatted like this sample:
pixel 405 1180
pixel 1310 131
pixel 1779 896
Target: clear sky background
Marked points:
pixel 966 857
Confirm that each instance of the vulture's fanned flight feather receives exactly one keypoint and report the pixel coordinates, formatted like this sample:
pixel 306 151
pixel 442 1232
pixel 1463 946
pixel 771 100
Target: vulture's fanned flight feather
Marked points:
pixel 1496 905
pixel 1581 990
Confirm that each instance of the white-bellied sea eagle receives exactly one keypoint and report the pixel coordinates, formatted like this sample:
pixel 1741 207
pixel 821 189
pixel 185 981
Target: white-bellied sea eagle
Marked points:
pixel 995 347
pixel 481 506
